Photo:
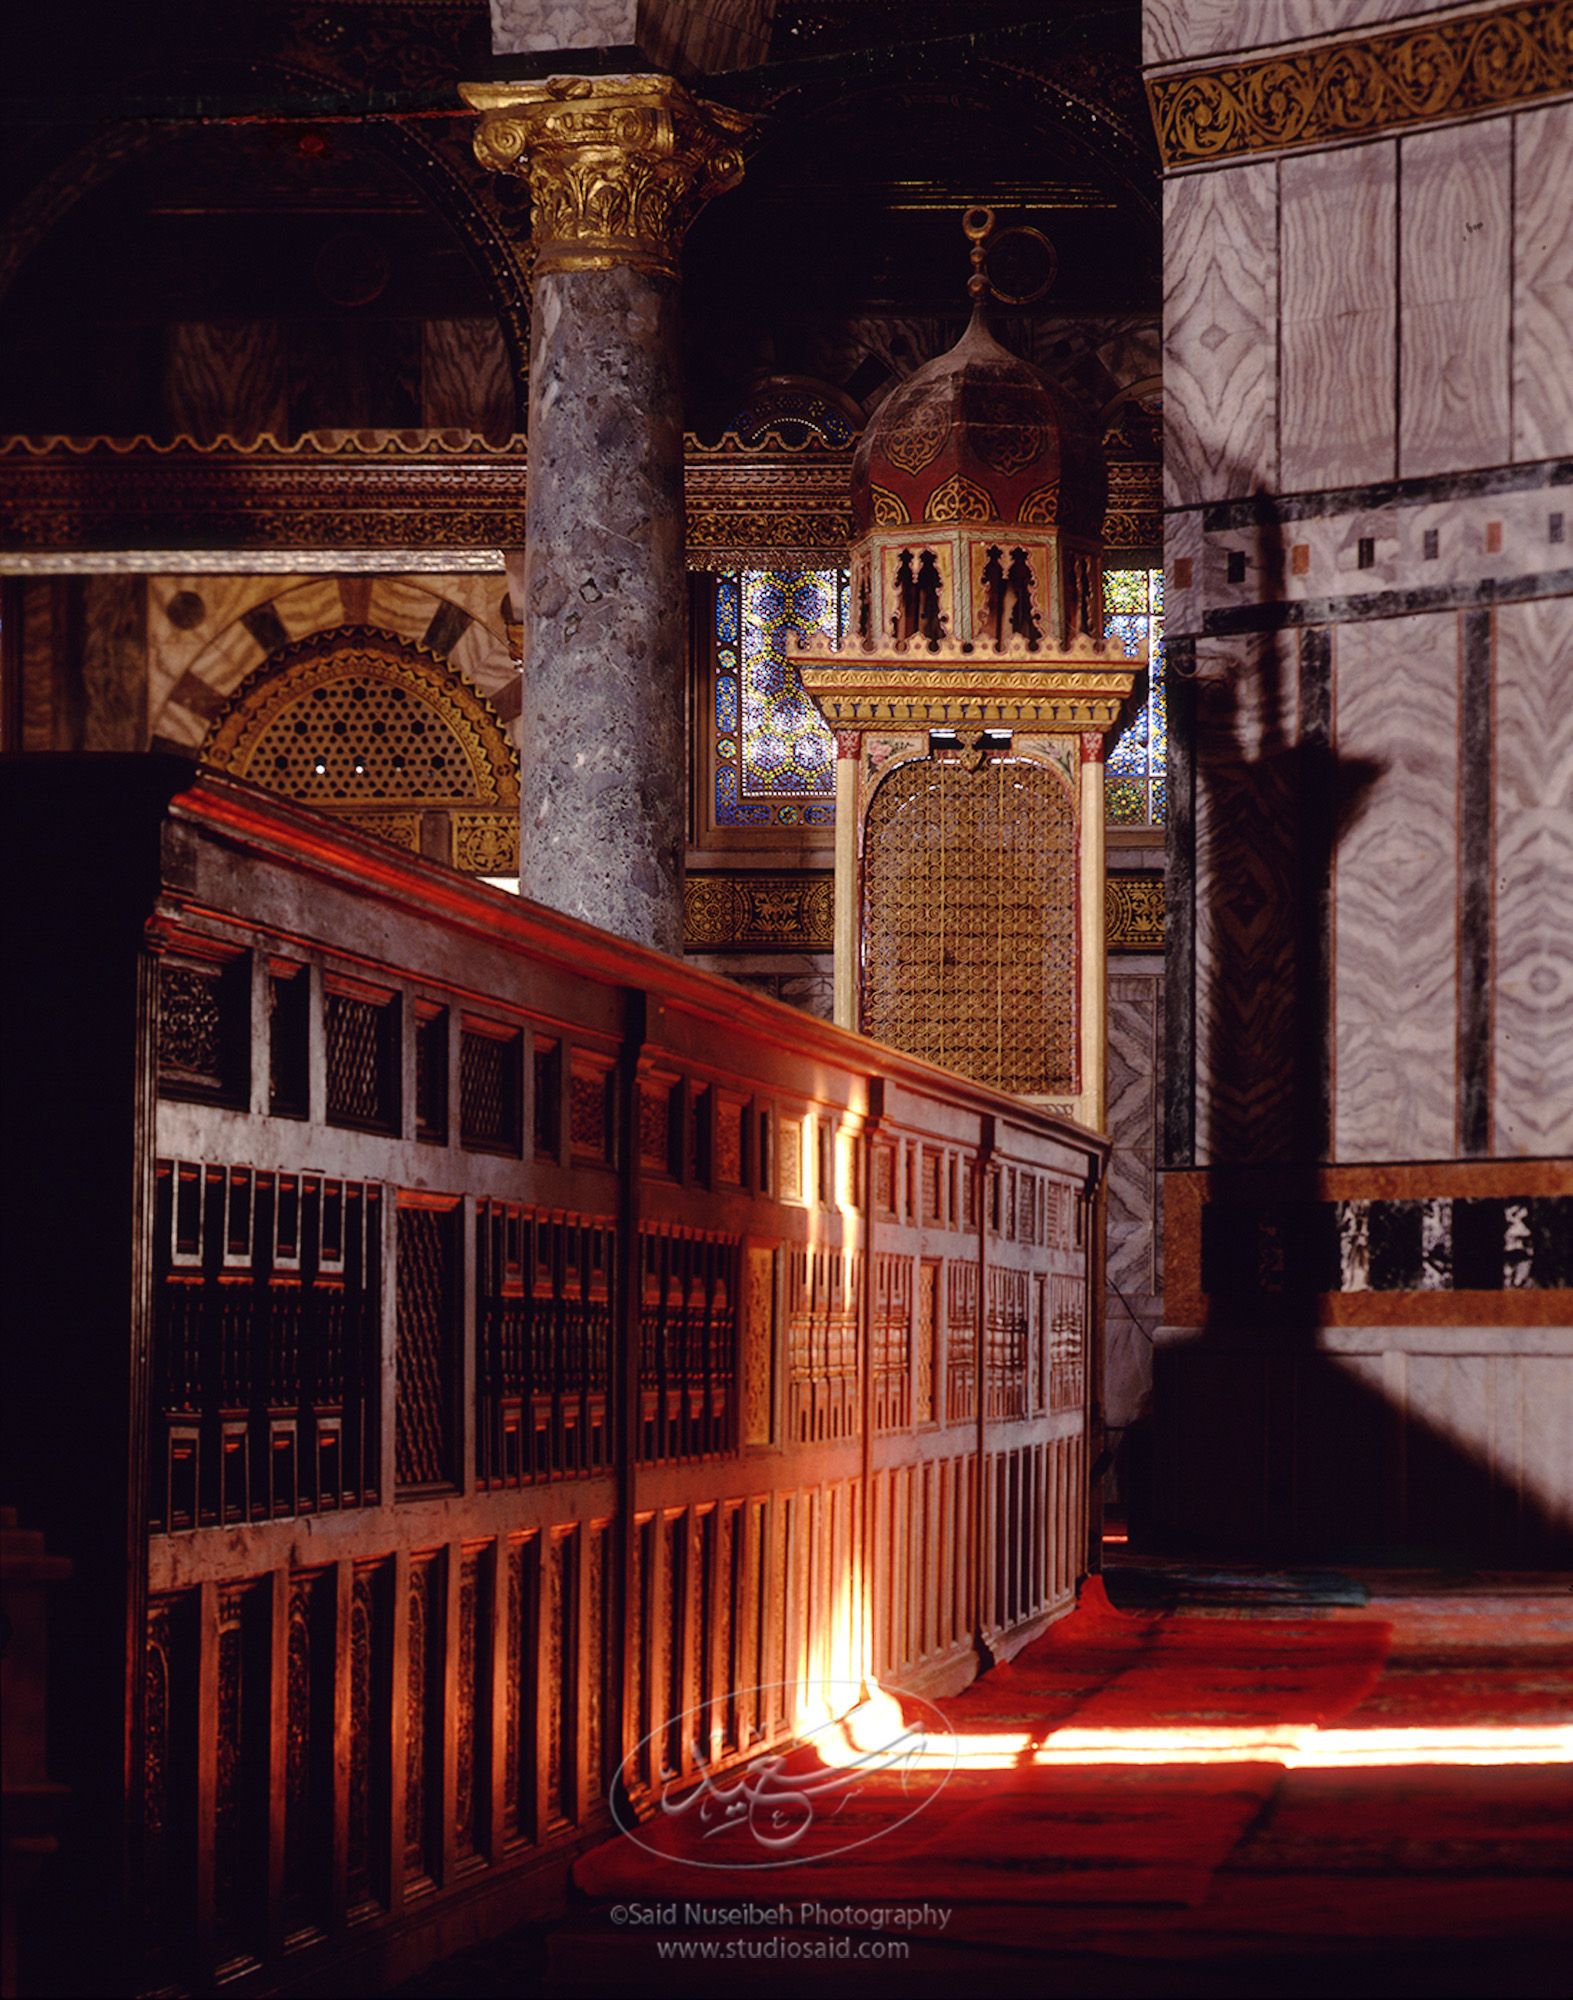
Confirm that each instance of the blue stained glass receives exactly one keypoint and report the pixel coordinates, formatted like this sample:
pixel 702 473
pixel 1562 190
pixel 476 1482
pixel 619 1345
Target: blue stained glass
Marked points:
pixel 1135 792
pixel 1158 708
pixel 1160 801
pixel 773 753
pixel 786 747
pixel 1129 755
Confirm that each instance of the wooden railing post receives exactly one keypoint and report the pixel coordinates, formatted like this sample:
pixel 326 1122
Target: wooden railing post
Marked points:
pixel 622 1724
pixel 982 1496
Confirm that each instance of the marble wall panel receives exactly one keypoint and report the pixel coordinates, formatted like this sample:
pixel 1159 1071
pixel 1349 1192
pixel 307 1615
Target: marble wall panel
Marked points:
pixel 1132 1113
pixel 1533 1038
pixel 1338 305
pixel 1173 30
pixel 1220 308
pixel 1135 1303
pixel 82 659
pixel 1451 1441
pixel 114 662
pixel 313 605
pixel 225 379
pixel 797 980
pixel 1253 1044
pixel 1543 284
pixel 484 660
pixel 679 35
pixel 521 26
pixel 42 600
pixel 466 383
pixel 1396 890
pixel 1456 229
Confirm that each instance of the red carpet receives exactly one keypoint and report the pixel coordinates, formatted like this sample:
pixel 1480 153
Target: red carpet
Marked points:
pixel 1064 1881
pixel 1034 1837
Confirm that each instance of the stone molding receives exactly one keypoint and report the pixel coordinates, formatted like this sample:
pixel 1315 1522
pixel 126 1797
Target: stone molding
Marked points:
pixel 1357 86
pixel 617 166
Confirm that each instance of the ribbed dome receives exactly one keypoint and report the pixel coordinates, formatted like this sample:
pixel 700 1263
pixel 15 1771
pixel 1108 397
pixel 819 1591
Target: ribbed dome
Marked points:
pixel 978 435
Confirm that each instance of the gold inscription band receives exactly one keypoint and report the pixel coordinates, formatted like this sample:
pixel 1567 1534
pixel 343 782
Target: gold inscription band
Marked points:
pixel 1352 89
pixel 617 166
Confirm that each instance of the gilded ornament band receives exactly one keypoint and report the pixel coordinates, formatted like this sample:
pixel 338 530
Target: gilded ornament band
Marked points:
pixel 1352 89
pixel 796 912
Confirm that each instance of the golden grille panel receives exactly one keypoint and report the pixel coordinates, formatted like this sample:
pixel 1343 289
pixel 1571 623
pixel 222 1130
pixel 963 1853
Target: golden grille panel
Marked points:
pixel 969 921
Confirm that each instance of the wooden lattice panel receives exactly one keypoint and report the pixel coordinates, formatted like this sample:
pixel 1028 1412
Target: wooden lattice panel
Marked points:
pixel 969 920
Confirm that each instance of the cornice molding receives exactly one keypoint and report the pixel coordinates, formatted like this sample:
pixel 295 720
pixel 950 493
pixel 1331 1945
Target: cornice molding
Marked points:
pixel 1068 696
pixel 1357 86
pixel 748 506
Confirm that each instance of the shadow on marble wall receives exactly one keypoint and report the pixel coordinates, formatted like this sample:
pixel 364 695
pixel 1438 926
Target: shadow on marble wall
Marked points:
pixel 1275 1433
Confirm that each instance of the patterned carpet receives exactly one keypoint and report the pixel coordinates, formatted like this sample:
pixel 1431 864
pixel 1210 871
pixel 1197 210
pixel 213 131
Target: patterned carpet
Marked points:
pixel 1293 1864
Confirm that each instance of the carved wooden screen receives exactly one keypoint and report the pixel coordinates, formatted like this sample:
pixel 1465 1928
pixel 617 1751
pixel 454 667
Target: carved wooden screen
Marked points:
pixel 969 920
pixel 375 730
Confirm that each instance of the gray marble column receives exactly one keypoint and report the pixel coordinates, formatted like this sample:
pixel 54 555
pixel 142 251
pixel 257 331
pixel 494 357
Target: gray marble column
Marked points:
pixel 616 166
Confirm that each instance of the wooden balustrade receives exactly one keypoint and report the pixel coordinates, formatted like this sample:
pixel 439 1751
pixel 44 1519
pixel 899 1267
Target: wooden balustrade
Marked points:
pixel 541 1354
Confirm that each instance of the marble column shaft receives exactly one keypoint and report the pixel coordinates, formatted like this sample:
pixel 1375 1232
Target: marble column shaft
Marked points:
pixel 604 605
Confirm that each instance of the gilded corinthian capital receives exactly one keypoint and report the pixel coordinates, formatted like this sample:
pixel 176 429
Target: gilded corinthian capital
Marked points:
pixel 618 166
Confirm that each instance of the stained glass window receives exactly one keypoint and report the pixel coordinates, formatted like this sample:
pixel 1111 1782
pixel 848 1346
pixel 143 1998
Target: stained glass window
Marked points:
pixel 1134 781
pixel 775 761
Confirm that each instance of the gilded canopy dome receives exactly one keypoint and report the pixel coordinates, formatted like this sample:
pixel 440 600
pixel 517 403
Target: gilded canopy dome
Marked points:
pixel 978 435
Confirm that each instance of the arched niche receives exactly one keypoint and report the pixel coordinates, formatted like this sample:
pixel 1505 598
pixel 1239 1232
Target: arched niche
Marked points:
pixel 970 920
pixel 378 731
